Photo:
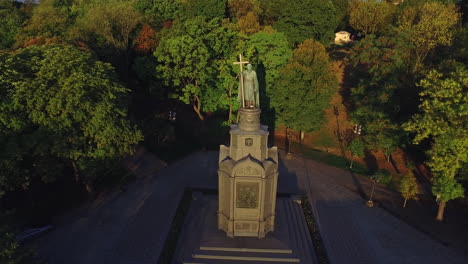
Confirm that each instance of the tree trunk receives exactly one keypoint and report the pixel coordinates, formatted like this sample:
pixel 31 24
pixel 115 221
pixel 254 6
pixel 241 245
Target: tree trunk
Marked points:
pixel 197 108
pixel 404 203
pixel 75 171
pixel 351 165
pixel 440 212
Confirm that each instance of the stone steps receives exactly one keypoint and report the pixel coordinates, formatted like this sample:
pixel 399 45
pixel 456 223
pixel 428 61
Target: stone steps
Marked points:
pixel 298 231
pixel 221 255
pixel 291 243
pixel 303 231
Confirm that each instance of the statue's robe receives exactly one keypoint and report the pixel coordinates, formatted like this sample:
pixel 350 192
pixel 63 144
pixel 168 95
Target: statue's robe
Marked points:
pixel 251 93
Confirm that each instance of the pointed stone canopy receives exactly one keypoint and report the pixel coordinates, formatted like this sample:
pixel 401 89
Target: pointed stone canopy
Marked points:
pixel 248 176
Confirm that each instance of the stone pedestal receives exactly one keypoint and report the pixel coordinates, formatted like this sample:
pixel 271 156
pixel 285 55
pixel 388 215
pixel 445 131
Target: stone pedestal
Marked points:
pixel 248 176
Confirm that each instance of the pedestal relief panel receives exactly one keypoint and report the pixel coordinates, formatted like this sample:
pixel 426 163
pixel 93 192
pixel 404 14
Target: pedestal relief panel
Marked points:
pixel 247 195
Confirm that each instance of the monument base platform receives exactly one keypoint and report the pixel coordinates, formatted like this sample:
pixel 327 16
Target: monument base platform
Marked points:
pixel 201 242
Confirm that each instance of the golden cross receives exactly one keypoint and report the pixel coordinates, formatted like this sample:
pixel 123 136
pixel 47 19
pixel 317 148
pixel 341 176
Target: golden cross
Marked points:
pixel 240 62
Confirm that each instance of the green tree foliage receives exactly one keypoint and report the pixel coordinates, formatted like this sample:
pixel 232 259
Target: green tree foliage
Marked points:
pixel 58 101
pixel 357 148
pixel 49 19
pixel 113 27
pixel 191 56
pixel 378 101
pixel 372 16
pixel 342 13
pixel 443 120
pixel 270 11
pixel 241 8
pixel 207 8
pixel 270 50
pixel 304 19
pixel 249 24
pixel 428 26
pixel 11 252
pixel 159 10
pixel 408 187
pixel 304 88
pixel 11 20
pixel 246 13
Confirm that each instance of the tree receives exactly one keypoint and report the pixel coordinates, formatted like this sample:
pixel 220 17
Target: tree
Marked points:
pixel 10 250
pixel 429 25
pixel 146 41
pixel 304 19
pixel 157 11
pixel 58 101
pixel 383 95
pixel 270 11
pixel 357 148
pixel 249 24
pixel 271 50
pixel 304 88
pixel 240 8
pixel 206 8
pixel 11 21
pixel 191 57
pixel 370 17
pixel 246 13
pixel 389 140
pixel 342 13
pixel 443 121
pixel 408 187
pixel 48 20
pixel 113 26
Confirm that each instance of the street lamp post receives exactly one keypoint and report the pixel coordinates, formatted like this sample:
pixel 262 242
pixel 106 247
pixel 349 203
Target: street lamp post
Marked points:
pixel 370 203
pixel 289 136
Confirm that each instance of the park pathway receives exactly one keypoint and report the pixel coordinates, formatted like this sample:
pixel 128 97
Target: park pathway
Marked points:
pixel 353 233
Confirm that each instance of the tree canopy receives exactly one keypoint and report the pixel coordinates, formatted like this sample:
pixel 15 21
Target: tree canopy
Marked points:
pixel 304 88
pixel 191 57
pixel 372 16
pixel 304 19
pixel 60 101
pixel 443 121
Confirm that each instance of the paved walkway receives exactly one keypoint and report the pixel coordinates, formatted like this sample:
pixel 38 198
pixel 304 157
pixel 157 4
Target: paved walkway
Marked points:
pixel 131 227
pixel 353 233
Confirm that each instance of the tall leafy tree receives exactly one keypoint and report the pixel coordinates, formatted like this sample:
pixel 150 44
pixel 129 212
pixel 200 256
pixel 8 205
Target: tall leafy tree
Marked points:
pixel 372 16
pixel 159 10
pixel 58 101
pixel 382 95
pixel 191 57
pixel 270 50
pixel 206 8
pixel 249 24
pixel 304 88
pixel 357 148
pixel 50 18
pixel 304 19
pixel 240 8
pixel 442 120
pixel 429 26
pixel 112 26
pixel 11 20
pixel 342 13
